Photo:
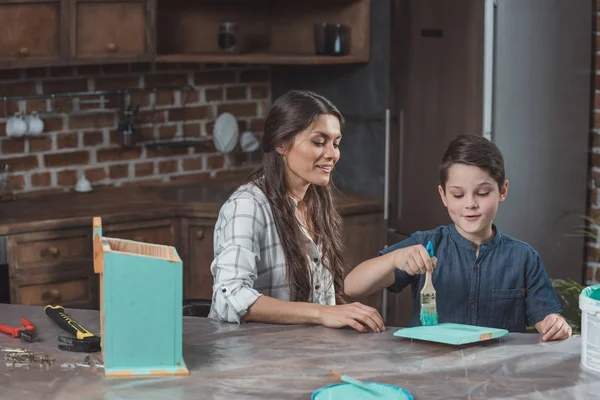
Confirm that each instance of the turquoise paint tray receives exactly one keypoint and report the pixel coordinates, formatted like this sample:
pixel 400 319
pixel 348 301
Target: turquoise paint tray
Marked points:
pixel 346 391
pixel 455 334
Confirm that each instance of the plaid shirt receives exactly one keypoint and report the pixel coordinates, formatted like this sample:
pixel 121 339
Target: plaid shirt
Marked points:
pixel 249 259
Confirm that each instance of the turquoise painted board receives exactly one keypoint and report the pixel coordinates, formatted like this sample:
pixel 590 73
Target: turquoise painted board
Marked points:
pixel 451 333
pixel 346 391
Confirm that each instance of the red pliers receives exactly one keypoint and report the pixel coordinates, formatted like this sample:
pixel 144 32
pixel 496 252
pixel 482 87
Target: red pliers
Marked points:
pixel 26 331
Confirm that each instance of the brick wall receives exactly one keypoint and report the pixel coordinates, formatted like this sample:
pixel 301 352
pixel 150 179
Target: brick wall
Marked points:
pixel 593 246
pixel 81 136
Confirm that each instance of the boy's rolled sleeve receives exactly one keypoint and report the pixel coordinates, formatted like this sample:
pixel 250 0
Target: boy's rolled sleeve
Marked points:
pixel 540 300
pixel 401 278
pixel 237 248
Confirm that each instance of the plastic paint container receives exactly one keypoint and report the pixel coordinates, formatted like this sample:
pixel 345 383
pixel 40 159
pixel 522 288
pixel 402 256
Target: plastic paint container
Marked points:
pixel 346 391
pixel 589 303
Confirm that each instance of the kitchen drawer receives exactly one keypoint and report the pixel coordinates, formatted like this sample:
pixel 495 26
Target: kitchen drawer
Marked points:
pixel 78 293
pixel 49 248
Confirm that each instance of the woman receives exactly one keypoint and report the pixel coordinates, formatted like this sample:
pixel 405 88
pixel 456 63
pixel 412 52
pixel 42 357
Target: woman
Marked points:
pixel 278 244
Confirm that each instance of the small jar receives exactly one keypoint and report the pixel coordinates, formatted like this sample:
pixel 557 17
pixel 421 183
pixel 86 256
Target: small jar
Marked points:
pixel 228 40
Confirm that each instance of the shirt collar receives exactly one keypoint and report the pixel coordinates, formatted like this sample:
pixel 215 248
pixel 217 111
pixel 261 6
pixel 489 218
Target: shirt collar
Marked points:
pixel 464 242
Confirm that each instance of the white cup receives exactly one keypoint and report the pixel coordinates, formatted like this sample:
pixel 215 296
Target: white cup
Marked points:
pixel 35 125
pixel 16 126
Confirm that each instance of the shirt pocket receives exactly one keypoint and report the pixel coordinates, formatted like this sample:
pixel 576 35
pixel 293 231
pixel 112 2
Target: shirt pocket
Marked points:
pixel 507 309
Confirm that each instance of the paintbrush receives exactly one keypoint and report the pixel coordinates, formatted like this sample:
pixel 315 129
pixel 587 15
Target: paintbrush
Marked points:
pixel 352 381
pixel 429 314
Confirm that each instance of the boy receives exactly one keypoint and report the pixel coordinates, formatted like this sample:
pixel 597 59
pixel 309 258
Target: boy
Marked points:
pixel 483 277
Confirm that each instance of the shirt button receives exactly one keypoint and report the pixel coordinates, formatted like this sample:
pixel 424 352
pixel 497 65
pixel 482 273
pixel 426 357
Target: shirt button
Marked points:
pixel 317 287
pixel 476 266
pixel 473 245
pixel 316 260
pixel 472 302
pixel 223 290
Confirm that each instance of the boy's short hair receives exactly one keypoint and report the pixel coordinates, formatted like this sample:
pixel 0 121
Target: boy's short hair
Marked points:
pixel 473 150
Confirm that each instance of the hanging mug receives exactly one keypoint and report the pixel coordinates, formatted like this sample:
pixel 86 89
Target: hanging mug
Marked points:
pixel 16 126
pixel 35 125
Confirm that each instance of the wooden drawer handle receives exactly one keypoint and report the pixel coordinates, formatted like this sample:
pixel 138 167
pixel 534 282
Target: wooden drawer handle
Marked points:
pixel 112 47
pixel 52 251
pixel 24 52
pixel 50 296
pixel 199 235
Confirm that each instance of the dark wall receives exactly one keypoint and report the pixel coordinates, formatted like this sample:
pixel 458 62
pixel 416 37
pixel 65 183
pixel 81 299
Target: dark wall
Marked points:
pixel 361 93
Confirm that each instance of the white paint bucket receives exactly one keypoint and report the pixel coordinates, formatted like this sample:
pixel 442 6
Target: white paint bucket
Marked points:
pixel 589 303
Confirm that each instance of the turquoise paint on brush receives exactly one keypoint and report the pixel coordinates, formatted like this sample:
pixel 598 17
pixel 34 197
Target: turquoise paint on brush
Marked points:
pixel 429 314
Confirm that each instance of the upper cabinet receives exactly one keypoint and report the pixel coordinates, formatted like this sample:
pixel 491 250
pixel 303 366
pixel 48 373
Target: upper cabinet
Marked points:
pixel 120 30
pixel 32 33
pixel 63 32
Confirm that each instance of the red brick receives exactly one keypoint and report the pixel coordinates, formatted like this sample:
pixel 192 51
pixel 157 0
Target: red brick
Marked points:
pixel 165 98
pixel 236 93
pixel 589 273
pixel 152 181
pixel 67 140
pixel 592 253
pixel 10 75
pixel 64 159
pixel 36 72
pixel 166 66
pixel 66 178
pixel 167 131
pixel 95 174
pixel 596 160
pixel 190 66
pixel 93 138
pixel 38 106
pixel 41 179
pixel 192 164
pixel 593 197
pixel 118 171
pixel 115 68
pixel 190 97
pixel 213 94
pixel 165 152
pixel 141 99
pixel 65 85
pixel 39 144
pixel 214 77
pixel 203 176
pixel 53 124
pixel 12 107
pixel 190 113
pixel 16 164
pixel 62 72
pixel 117 83
pixel 118 154
pixel 144 169
pixel 597 43
pixel 146 117
pixel 162 80
pixel 235 174
pixel 141 67
pixel 259 92
pixel 13 146
pixel 192 130
pixel 215 162
pixel 257 124
pixel 239 109
pixel 2 129
pixel 598 275
pixel 168 167
pixel 17 182
pixel 89 70
pixel 259 75
pixel 17 89
pixel 92 121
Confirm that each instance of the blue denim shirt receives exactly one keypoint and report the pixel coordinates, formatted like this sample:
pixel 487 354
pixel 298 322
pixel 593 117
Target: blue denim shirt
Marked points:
pixel 505 286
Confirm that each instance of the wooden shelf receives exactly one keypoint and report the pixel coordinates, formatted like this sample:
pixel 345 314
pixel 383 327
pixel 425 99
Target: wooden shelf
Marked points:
pixel 262 58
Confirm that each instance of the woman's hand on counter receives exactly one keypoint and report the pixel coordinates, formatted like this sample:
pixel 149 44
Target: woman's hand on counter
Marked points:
pixel 355 315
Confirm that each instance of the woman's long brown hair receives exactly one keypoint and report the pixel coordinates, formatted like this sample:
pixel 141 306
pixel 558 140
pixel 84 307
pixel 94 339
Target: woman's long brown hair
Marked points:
pixel 290 114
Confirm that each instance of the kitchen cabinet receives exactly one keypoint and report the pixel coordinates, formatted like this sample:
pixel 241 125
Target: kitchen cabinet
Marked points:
pixel 32 33
pixel 114 30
